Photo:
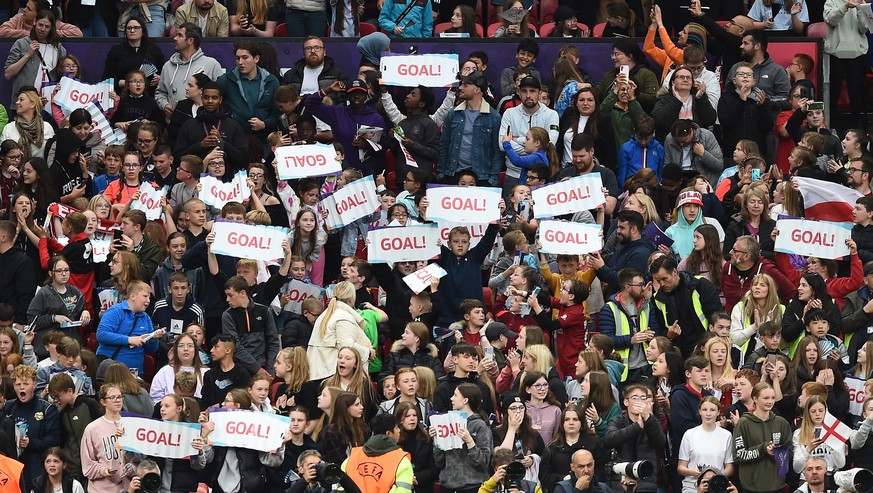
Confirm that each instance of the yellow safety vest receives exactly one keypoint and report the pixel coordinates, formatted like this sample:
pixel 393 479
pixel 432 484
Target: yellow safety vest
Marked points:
pixel 747 322
pixel 695 303
pixel 622 328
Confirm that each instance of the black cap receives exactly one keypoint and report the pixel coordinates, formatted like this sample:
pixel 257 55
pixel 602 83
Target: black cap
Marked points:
pixel 357 85
pixel 477 79
pixel 530 81
pixel 497 329
pixel 868 268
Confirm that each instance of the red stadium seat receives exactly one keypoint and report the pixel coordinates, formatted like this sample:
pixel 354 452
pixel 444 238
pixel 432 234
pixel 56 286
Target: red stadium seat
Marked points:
pixel 598 30
pixel 547 11
pixel 390 161
pixel 273 389
pixel 817 30
pixel 367 28
pixel 441 28
pixel 391 181
pixel 280 31
pixel 147 372
pixel 546 28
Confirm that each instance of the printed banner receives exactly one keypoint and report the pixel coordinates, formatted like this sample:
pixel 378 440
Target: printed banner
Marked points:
pixel 351 202
pixel 108 298
pixel 157 438
pixel 566 238
pixel 580 193
pixel 410 161
pixel 403 243
pixel 301 161
pixel 432 70
pixel 477 231
pixel 463 204
pixel 216 193
pixel 100 249
pixel 447 427
pixel 109 135
pixel 75 94
pixel 856 395
pixel 248 429
pixel 256 242
pixel 149 200
pixel 811 238
pixel 420 280
pixel 298 291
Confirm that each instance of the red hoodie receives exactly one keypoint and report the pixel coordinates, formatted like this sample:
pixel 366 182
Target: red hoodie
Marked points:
pixel 838 287
pixel 78 253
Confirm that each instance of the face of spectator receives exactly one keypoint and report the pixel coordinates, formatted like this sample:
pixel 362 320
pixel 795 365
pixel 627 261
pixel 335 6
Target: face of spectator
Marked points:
pixel 683 80
pixel 620 58
pixel 524 58
pixel 203 5
pixel 586 104
pixel 24 388
pixel 180 41
pixel 133 30
pixel 30 12
pixel 43 27
pixel 748 48
pixel 583 159
pixel 668 281
pixel 211 100
pixel 457 19
pixel 139 300
pixel 247 63
pixel 313 52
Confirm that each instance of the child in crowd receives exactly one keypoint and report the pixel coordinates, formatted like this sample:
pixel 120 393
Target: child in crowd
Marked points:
pixel 112 161
pixel 68 350
pixel 537 147
pixel 224 375
pixel 817 324
pixel 642 151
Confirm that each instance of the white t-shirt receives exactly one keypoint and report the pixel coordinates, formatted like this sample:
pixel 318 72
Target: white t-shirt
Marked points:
pixel 702 448
pixel 310 80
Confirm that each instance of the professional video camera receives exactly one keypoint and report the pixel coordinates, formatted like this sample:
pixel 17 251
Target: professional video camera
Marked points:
pixel 514 475
pixel 855 480
pixel 328 473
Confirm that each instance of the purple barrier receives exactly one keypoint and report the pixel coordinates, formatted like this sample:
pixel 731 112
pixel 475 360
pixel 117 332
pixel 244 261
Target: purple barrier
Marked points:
pixel 594 54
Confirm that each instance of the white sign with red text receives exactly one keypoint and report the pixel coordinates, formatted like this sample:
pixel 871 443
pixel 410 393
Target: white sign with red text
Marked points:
pixel 216 193
pixel 403 243
pixel 477 231
pixel 580 193
pixel 149 200
pixel 410 161
pixel 75 94
pixel 156 438
pixel 301 161
pixel 420 280
pixel 431 70
pixel 856 395
pixel 250 240
pixel 100 249
pixel 297 291
pixel 248 429
pixel 108 298
pixel 447 427
pixel 567 238
pixel 463 204
pixel 351 202
pixel 811 238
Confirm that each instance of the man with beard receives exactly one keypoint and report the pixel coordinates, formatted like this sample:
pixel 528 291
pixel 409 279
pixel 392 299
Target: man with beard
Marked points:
pixel 185 62
pixel 814 470
pixel 345 121
pixel 745 263
pixel 213 130
pixel 518 120
pixel 585 162
pixel 627 318
pixel 210 15
pixel 470 139
pixel 315 70
pixel 770 77
pixel 632 252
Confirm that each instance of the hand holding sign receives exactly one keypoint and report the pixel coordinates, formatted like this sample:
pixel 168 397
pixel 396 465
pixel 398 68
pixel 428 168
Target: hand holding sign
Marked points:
pixel 432 70
pixel 301 161
pixel 807 237
pixel 446 430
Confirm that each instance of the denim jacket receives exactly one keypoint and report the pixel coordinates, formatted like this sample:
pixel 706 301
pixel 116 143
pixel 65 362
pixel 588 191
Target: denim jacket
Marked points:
pixel 486 157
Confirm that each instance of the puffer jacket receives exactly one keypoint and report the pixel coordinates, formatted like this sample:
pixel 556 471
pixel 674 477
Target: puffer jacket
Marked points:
pixel 402 357
pixel 343 329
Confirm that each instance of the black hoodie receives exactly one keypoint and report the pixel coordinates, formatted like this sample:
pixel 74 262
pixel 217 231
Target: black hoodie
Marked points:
pixel 234 141
pixel 17 281
pixel 66 175
pixel 443 395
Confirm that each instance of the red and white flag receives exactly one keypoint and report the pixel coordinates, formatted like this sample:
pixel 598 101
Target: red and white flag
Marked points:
pixel 835 432
pixel 827 201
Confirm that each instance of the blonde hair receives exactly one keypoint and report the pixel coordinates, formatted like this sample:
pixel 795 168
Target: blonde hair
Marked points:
pixel 344 291
pixel 325 418
pixel 863 369
pixel 426 382
pixel 728 370
pixel 771 302
pixel 296 357
pixel 359 382
pixel 651 214
pixel 806 432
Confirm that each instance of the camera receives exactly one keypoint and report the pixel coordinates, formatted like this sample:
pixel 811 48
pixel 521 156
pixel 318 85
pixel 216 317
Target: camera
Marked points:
pixel 640 470
pixel 328 473
pixel 150 482
pixel 855 480
pixel 514 475
pixel 719 484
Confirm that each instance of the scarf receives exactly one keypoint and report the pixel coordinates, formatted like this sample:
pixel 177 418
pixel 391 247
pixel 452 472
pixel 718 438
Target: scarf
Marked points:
pixel 31 133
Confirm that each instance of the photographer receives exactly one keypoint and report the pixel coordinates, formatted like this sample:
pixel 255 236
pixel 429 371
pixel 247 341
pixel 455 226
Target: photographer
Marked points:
pixel 705 483
pixel 582 478
pixel 147 479
pixel 508 482
pixel 311 482
pixel 637 435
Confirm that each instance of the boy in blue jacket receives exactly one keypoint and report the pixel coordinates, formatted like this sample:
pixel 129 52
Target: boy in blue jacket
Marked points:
pixel 640 151
pixel 121 335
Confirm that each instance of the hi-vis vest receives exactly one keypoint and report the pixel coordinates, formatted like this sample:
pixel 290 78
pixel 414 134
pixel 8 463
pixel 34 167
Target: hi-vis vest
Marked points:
pixel 695 304
pixel 375 474
pixel 622 328
pixel 746 322
pixel 10 475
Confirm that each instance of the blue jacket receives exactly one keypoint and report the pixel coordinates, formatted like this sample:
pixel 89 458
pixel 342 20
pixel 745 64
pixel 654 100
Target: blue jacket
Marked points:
pixel 525 162
pixel 486 157
pixel 422 13
pixel 630 158
pixel 463 279
pixel 635 254
pixel 118 323
pixel 235 92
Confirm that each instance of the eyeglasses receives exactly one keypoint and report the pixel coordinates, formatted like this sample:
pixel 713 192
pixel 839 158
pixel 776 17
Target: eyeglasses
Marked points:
pixel 745 75
pixel 856 170
pixel 61 271
pixel 408 180
pixel 136 83
pixel 683 77
pixel 113 398
pixel 216 164
pixel 399 214
pixel 145 141
pixel 516 409
pixel 540 385
pixel 71 66
pixel 131 166
pixel 54 397
pixel 532 177
pixel 640 285
pixel 734 250
pixel 615 54
pixel 313 48
pixel 133 29
pixel 639 398
pixel 185 170
pixel 103 205
pixel 18 157
pixel 256 176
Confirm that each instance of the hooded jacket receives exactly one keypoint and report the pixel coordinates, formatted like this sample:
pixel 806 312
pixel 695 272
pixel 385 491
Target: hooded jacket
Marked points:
pixel 383 452
pixel 679 306
pixel 254 329
pixel 237 92
pixel 66 175
pixel 710 164
pixel 847 31
pixel 635 254
pixel 175 74
pixel 45 305
pixel 682 233
pixel 401 357
pixel 343 329
pixel 733 286
pixel 117 324
pixel 465 468
pixel 758 470
pixel 296 331
pixel 633 443
pixel 684 402
pixel 518 122
pixel 330 71
pixel 630 158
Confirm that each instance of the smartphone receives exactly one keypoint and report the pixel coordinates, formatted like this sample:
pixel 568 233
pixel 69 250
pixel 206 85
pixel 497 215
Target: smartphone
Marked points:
pixel 489 352
pixel 624 69
pixel 535 291
pixel 806 93
pixel 817 433
pixel 756 173
pixel 116 239
pixel 815 105
pixel 771 360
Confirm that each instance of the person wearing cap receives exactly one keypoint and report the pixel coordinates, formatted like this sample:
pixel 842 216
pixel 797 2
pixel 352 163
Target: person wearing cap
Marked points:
pixel 745 263
pixel 471 135
pixel 514 99
pixel 498 336
pixel 566 24
pixel 518 120
pixel 684 303
pixel 345 122
pixel 695 149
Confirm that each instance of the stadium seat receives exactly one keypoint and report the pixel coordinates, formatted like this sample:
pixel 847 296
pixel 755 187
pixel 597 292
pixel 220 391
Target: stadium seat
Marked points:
pixel 148 370
pixel 817 30
pixel 441 28
pixel 546 28
pixel 598 30
pixel 280 31
pixel 390 161
pixel 494 27
pixel 367 28
pixel 273 388
pixel 722 23
pixel 391 181
pixel 547 11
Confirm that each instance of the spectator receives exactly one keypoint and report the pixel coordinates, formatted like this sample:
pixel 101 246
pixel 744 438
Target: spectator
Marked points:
pixel 465 360
pixel 791 19
pixel 122 327
pixel 258 344
pixel 213 135
pixel 746 262
pixel 338 326
pixel 32 133
pixel 582 476
pixel 464 469
pixel 381 449
pixel 315 71
pixel 627 53
pixel 22 23
pixel 17 281
pixel 641 151
pixel 571 321
pixel 257 18
pixel 621 21
pixel 755 439
pixel 216 14
pixel 637 434
pixel 846 45
pixel 695 149
pixel 416 23
pixel 769 77
pixel 76 412
pixel 187 60
pixel 687 99
pixel 248 92
pixel 225 375
pixel 627 318
pixel 632 252
pixel 584 162
pixel 133 239
pixel 525 55
pixel 135 51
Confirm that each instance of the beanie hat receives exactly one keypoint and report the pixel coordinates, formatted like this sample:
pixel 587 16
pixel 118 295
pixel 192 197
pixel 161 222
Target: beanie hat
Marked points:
pixel 697 34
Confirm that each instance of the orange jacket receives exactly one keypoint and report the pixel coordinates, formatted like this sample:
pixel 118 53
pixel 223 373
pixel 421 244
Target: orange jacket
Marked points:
pixel 665 57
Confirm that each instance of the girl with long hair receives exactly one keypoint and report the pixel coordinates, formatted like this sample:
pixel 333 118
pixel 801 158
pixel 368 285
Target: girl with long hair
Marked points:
pixel 135 104
pixel 829 374
pixel 339 325
pixel 122 191
pixel 568 78
pixel 668 370
pixel 464 21
pixel 519 29
pixel 539 358
pixel 416 442
pixel 538 148
pixel 567 25
pixel 351 375
pixel 33 59
pixel 758 305
pixel 9 345
pixel 812 294
pixel 264 197
pixel 183 357
pixel 55 477
pixel 136 399
pixel 782 377
pixel 584 116
pixel 306 238
pixel 427 383
pixel 754 220
pixel 718 353
pixel 574 434
pixel 257 18
pixel 123 270
pixel 184 473
pixel 837 287
pixel 58 303
pixel 10 172
pixel 517 434
pixel 468 467
pixel 756 436
pixel 705 259
pixel 621 21
pixel 589 360
pixel 807 441
pixel 28 128
pixel 700 445
pixel 543 409
pixel 864 367
pixel 23 214
pixel 805 358
pixel 38 184
pixel 600 404
pixel 324 403
pixel 346 428
pixel 296 389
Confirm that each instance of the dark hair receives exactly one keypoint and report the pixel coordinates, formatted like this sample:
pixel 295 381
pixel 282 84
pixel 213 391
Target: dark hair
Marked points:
pixel 633 218
pixel 528 45
pixel 252 47
pixel 630 48
pixel 383 423
pixel 463 348
pixel 52 37
pixel 627 275
pixel 192 31
pixel 758 37
pixel 582 141
pixel 427 97
pixel 79 116
pixel 667 262
pixel 481 55
pixel 815 316
pixel 696 361
pixel 238 284
pixel 682 127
